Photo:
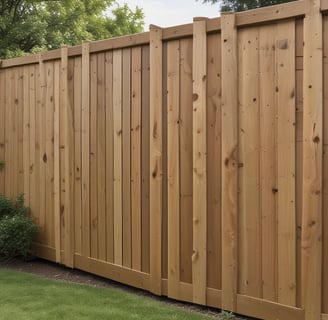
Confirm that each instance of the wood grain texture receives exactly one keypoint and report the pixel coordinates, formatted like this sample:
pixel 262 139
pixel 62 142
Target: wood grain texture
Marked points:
pixel 312 163
pixel 214 162
pixel 136 159
pixel 285 53
pixel 109 158
pixel 249 162
pixel 49 153
pixel 229 161
pixel 156 175
pixel 173 168
pixel 26 133
pixel 2 127
pixel 145 158
pixel 77 100
pixel 85 140
pixel 199 162
pixel 299 152
pixel 325 172
pixel 93 156
pixel 42 143
pixel 126 140
pixel 69 163
pixel 101 159
pixel 117 116
pixel 186 158
pixel 56 157
pixel 267 61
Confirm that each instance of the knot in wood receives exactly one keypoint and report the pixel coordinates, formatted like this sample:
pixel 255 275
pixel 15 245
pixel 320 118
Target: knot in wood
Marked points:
pixel 316 139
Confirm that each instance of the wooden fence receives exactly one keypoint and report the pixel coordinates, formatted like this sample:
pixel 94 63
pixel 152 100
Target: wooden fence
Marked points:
pixel 189 161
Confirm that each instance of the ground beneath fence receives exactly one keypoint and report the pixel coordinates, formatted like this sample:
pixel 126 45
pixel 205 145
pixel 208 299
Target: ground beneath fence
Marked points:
pixel 55 271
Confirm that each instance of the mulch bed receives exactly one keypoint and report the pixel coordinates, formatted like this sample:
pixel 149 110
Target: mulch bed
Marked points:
pixel 58 272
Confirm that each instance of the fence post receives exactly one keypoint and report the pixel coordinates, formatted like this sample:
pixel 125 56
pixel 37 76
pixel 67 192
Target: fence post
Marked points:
pixel 156 174
pixel 57 167
pixel 229 160
pixel 69 163
pixel 312 162
pixel 199 161
pixel 85 125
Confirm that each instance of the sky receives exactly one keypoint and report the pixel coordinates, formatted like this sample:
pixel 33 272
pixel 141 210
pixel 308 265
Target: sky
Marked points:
pixel 166 13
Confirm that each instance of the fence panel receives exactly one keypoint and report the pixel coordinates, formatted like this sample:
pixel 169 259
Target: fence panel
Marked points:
pixel 176 160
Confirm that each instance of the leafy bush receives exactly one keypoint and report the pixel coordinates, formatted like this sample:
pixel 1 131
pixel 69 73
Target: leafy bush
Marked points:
pixel 16 233
pixel 9 207
pixel 16 228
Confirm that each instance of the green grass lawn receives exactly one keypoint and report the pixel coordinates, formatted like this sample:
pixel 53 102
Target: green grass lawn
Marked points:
pixel 28 297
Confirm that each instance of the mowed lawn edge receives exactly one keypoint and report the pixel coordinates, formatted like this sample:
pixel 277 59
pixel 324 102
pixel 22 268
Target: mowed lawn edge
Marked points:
pixel 29 297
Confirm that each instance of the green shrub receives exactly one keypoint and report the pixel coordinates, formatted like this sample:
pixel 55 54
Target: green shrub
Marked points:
pixel 16 232
pixel 16 228
pixel 9 207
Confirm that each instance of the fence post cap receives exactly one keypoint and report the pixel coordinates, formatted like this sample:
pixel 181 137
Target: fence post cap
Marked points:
pixel 154 27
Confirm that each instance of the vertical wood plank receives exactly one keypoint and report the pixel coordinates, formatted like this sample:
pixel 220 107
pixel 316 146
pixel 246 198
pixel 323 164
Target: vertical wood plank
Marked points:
pixel 312 163
pixel 299 151
pixel 285 53
pixel 136 158
pixel 19 102
pixel 117 116
pixel 6 130
pixel 93 156
pixel 186 159
pixel 126 140
pixel 268 172
pixel 69 163
pixel 9 133
pixel 325 171
pixel 49 154
pixel 156 136
pixel 164 169
pixel 101 157
pixel 62 115
pixel 26 135
pixel 32 165
pixel 145 157
pixel 42 143
pixel 77 154
pixel 37 145
pixel 214 180
pixel 249 158
pixel 199 161
pixel 109 158
pixel 56 161
pixel 229 161
pixel 173 168
pixel 85 140
pixel 2 127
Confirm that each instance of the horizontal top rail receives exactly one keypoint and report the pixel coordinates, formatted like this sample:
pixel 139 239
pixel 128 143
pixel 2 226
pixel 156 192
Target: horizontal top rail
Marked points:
pixel 272 13
pixel 246 18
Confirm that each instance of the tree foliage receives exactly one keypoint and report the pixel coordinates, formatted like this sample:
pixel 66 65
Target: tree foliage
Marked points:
pixel 242 5
pixel 33 25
